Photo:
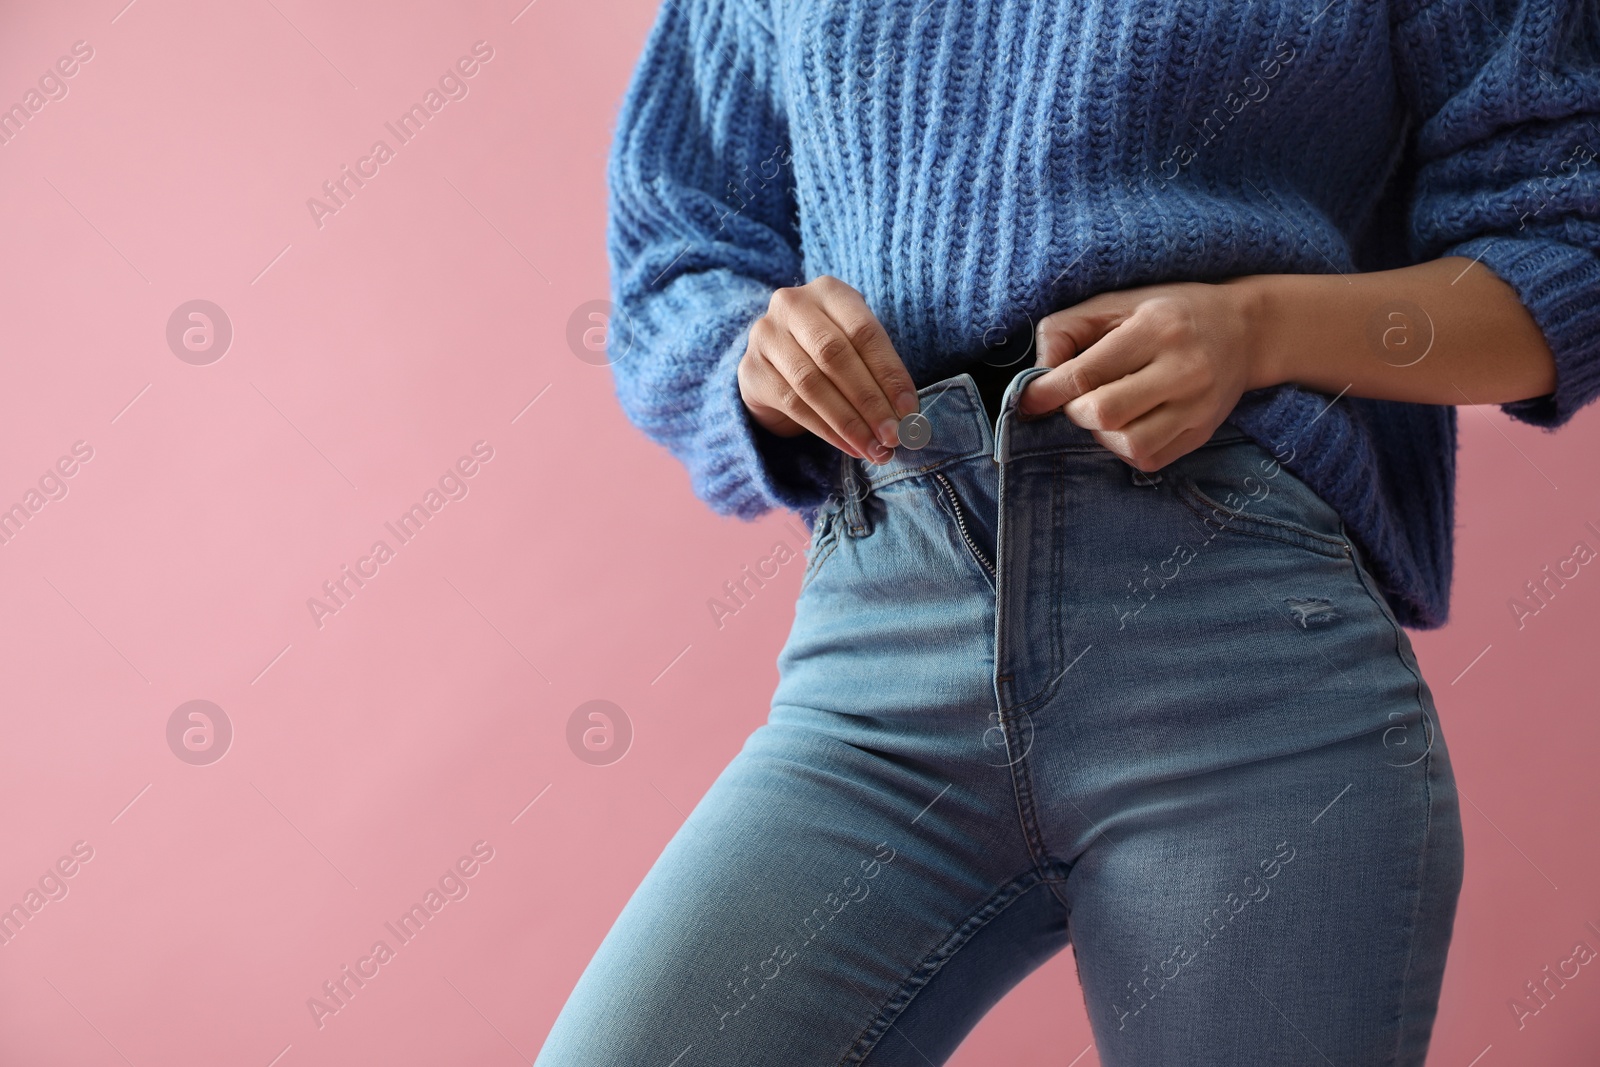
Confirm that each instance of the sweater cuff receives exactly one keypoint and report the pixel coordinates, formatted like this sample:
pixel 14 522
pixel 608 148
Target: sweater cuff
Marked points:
pixel 760 470
pixel 1557 283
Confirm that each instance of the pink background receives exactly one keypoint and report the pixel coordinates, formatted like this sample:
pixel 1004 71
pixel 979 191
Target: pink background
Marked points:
pixel 371 753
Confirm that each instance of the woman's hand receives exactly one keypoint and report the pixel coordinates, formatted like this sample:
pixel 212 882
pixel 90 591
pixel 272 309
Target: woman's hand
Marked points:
pixel 1153 371
pixel 819 360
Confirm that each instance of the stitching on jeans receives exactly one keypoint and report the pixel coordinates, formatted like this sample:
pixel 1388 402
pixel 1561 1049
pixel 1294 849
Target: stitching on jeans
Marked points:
pixel 1427 820
pixel 1057 577
pixel 816 564
pixel 1094 447
pixel 1038 848
pixel 1265 527
pixel 876 481
pixel 932 963
pixel 1401 1024
pixel 1191 488
pixel 1058 572
pixel 900 474
pixel 1022 785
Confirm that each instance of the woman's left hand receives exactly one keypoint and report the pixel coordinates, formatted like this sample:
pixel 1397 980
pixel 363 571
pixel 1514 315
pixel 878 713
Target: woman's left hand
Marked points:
pixel 1152 371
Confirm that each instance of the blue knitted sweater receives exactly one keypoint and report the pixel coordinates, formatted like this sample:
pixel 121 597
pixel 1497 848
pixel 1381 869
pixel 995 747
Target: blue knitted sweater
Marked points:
pixel 972 165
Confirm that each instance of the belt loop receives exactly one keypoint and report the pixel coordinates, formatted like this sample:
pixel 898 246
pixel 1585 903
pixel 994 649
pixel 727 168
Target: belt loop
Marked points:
pixel 855 490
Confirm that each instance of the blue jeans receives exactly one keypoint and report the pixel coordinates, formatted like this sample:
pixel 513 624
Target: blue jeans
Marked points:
pixel 1035 697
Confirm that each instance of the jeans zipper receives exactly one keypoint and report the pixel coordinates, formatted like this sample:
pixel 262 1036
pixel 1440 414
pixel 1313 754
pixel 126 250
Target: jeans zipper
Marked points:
pixel 961 523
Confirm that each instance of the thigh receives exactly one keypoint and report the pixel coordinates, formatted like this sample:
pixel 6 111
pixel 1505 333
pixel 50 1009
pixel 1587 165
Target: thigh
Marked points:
pixel 1248 779
pixel 1290 912
pixel 860 856
pixel 813 893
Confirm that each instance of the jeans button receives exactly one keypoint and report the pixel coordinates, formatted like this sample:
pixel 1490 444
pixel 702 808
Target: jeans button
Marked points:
pixel 915 430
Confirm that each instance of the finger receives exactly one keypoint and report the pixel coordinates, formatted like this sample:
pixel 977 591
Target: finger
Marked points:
pixel 832 352
pixel 827 322
pixel 1155 439
pixel 1181 445
pixel 1116 404
pixel 849 310
pixel 1063 334
pixel 809 394
pixel 770 392
pixel 1120 352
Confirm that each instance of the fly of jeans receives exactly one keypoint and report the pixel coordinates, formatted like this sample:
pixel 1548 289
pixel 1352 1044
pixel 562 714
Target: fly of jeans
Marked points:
pixel 961 523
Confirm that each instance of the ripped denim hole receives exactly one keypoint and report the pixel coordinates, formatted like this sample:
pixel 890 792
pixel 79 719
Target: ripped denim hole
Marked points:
pixel 1311 610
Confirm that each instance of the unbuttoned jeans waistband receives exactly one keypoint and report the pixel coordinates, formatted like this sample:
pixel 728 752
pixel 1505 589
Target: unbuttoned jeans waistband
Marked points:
pixel 961 430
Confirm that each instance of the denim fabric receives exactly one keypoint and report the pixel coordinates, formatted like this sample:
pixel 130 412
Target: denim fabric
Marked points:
pixel 1034 697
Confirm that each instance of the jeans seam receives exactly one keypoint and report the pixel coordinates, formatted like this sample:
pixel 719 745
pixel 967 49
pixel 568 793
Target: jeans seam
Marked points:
pixel 825 550
pixel 1263 526
pixel 1032 832
pixel 900 474
pixel 1022 786
pixel 1401 1025
pixel 1400 1028
pixel 1091 447
pixel 932 963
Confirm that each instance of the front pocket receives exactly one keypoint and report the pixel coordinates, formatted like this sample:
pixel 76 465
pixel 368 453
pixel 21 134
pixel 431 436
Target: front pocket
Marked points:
pixel 1241 488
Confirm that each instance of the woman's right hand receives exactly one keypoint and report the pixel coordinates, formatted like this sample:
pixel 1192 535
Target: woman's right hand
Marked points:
pixel 819 360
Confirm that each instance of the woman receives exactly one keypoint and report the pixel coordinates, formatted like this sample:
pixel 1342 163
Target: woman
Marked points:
pixel 1107 651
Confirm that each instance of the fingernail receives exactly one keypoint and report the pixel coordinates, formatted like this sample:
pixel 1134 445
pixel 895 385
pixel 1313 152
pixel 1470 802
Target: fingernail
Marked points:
pixel 905 403
pixel 887 429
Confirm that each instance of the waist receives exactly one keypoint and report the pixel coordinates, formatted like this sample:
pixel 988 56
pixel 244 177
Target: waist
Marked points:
pixel 962 424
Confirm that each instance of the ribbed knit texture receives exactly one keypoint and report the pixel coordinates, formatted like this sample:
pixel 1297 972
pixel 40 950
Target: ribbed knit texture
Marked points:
pixel 973 166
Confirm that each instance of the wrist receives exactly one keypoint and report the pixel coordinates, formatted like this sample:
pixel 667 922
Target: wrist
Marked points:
pixel 1258 307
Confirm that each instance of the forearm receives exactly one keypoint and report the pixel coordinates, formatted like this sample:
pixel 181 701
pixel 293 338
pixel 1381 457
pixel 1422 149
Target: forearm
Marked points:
pixel 1444 332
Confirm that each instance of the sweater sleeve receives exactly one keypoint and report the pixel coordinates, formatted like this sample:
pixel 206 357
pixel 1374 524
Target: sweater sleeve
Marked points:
pixel 1507 97
pixel 700 232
